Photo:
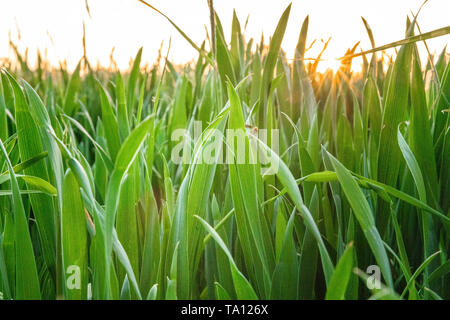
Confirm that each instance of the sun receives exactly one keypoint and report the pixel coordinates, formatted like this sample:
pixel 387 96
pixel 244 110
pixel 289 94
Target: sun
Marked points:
pixel 329 64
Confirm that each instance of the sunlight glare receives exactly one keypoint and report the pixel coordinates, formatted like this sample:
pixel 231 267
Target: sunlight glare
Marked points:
pixel 55 27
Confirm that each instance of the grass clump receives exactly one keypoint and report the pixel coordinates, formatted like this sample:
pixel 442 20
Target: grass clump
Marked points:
pixel 93 206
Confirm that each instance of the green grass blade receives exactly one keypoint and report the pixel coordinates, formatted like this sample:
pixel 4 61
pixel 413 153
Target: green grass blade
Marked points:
pixel 341 276
pixel 27 281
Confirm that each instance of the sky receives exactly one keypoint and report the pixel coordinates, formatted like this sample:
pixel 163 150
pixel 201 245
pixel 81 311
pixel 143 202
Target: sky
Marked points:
pixel 55 27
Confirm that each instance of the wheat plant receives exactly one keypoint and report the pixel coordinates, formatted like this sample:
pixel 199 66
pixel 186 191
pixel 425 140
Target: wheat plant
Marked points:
pixel 93 205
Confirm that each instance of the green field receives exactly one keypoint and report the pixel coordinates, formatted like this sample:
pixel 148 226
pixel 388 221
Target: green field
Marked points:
pixel 94 205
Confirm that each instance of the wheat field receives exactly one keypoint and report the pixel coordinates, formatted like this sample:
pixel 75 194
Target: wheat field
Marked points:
pixel 348 197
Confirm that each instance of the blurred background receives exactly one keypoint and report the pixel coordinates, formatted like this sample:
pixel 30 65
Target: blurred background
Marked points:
pixel 55 27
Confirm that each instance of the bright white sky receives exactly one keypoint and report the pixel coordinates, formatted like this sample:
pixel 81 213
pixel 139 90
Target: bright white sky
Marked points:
pixel 128 25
